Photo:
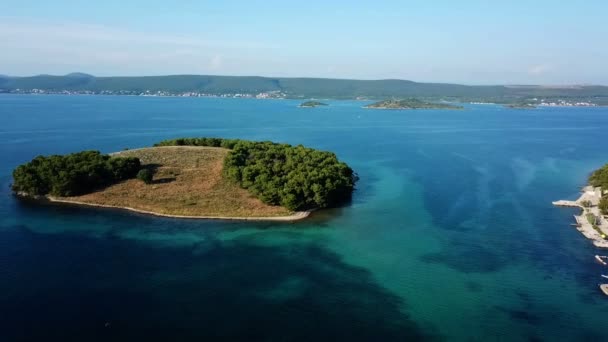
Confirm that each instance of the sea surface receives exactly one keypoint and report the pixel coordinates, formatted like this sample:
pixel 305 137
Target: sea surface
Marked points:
pixel 450 235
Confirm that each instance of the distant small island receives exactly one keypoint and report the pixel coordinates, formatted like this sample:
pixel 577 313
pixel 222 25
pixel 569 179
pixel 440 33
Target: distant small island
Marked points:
pixel 194 178
pixel 592 222
pixel 309 104
pixel 410 104
pixel 521 106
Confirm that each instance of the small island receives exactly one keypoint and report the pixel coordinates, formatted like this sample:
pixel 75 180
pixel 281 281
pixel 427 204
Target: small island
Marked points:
pixel 592 222
pixel 410 104
pixel 521 106
pixel 207 178
pixel 312 104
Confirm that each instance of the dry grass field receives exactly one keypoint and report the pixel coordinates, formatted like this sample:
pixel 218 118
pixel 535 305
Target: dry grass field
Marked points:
pixel 187 182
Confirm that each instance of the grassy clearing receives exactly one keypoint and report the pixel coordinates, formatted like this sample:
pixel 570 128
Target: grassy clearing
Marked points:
pixel 187 181
pixel 592 220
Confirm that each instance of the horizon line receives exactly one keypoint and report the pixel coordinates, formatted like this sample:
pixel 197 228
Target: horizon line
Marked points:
pixel 324 78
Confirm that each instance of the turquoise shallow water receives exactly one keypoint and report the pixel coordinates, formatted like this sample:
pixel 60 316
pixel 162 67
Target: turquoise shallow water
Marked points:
pixel 450 234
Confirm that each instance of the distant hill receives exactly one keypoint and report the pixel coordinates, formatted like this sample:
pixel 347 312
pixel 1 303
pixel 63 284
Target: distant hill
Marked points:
pixel 79 75
pixel 301 87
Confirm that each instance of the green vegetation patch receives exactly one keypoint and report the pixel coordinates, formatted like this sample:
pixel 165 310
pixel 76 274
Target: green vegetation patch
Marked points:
pixel 209 142
pixel 600 177
pixel 603 205
pixel 521 105
pixel 591 218
pixel 145 175
pixel 295 177
pixel 72 174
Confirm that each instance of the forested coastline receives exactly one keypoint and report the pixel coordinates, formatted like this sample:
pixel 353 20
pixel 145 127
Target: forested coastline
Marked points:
pixel 72 174
pixel 600 178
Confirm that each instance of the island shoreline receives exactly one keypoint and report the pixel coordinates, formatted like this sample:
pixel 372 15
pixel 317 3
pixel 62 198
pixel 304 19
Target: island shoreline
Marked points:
pixel 296 216
pixel 191 182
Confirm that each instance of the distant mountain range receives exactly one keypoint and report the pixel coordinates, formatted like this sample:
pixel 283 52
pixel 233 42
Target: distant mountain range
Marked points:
pixel 301 87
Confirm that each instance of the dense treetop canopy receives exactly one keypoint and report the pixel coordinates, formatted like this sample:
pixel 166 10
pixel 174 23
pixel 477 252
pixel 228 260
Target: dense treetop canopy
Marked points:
pixel 210 142
pixel 72 174
pixel 600 177
pixel 294 177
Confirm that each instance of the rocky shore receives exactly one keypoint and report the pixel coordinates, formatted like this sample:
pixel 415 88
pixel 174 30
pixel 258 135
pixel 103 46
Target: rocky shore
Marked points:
pixel 590 222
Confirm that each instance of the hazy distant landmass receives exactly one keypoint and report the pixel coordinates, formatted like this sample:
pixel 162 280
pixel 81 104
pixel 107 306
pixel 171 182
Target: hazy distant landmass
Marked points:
pixel 410 104
pixel 280 87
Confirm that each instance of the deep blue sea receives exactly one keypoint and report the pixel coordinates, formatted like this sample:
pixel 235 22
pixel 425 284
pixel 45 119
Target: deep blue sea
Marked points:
pixel 450 235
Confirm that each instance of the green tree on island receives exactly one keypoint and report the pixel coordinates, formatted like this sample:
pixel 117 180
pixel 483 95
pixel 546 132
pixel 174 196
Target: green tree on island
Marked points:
pixel 145 175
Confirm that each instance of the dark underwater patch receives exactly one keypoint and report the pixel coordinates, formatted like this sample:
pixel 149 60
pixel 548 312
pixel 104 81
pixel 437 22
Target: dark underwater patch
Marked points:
pixel 468 258
pixel 474 286
pixel 69 287
pixel 524 316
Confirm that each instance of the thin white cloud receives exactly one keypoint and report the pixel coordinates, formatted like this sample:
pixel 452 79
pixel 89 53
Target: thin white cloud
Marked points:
pixel 540 69
pixel 96 48
pixel 216 62
pixel 14 27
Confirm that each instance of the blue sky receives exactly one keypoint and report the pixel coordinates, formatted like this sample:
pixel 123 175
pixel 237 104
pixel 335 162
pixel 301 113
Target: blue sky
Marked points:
pixel 472 42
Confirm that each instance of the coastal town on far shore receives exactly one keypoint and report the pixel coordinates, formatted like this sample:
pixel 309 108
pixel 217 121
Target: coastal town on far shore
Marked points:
pixel 160 93
pixel 563 103
pixel 275 94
